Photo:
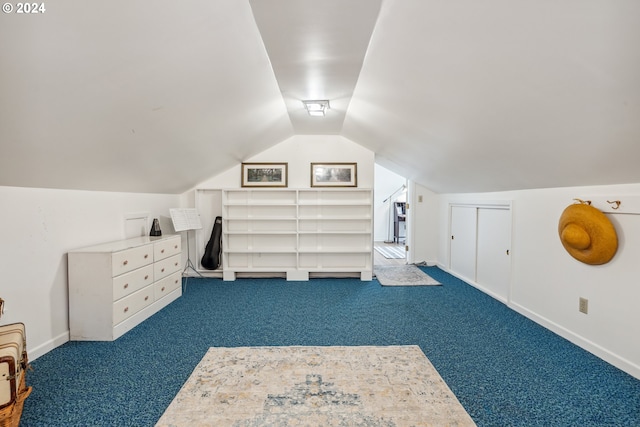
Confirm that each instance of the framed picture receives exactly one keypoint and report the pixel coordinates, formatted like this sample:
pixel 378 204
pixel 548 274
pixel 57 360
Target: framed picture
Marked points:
pixel 264 175
pixel 334 174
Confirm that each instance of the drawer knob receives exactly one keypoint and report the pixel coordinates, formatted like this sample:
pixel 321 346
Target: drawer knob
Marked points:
pixel 146 298
pixel 146 277
pixel 126 309
pixel 146 256
pixel 176 281
pixel 162 289
pixel 162 271
pixel 162 251
pixel 125 262
pixel 176 264
pixel 126 285
pixel 175 247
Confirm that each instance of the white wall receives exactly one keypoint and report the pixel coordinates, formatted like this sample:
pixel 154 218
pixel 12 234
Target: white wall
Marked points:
pixel 38 227
pixel 424 225
pixel 386 184
pixel 299 152
pixel 546 282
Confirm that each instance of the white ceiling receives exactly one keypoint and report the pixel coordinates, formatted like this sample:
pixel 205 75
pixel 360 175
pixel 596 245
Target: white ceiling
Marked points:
pixel 461 96
pixel 316 54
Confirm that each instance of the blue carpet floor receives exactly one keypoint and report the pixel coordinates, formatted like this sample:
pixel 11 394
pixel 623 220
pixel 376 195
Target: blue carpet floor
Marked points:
pixel 504 369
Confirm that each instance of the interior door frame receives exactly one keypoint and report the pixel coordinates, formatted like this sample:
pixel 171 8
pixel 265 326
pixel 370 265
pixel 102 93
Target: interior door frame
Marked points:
pixel 480 204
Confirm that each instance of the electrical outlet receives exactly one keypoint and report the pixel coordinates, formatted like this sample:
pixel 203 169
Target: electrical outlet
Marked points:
pixel 583 306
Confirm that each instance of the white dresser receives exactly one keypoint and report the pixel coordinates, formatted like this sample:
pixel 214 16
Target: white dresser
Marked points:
pixel 115 286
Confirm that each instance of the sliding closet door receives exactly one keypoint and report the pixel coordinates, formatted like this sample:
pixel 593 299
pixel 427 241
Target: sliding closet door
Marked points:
pixel 462 260
pixel 494 248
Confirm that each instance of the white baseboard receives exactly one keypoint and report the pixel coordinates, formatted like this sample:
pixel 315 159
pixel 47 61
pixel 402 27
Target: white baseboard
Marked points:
pixel 606 355
pixel 61 339
pixel 593 348
pixel 42 349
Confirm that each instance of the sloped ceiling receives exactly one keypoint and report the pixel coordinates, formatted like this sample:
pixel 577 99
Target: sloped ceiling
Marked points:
pixel 317 54
pixel 135 96
pixel 470 96
pixel 460 96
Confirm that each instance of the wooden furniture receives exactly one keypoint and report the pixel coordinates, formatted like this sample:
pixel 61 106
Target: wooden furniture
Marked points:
pixel 115 286
pixel 297 232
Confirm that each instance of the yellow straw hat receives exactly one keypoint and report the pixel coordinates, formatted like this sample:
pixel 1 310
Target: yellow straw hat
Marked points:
pixel 587 234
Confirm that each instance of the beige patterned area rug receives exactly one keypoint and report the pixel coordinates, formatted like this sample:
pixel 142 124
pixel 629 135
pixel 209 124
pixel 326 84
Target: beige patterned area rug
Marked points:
pixel 403 275
pixel 315 386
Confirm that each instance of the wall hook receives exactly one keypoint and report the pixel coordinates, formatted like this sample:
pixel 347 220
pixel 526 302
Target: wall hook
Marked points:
pixel 584 202
pixel 614 202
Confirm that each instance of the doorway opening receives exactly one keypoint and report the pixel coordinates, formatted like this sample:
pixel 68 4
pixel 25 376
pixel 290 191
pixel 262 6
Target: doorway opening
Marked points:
pixel 390 217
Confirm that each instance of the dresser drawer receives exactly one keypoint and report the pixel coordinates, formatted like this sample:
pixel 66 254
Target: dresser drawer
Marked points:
pixel 167 285
pixel 165 267
pixel 166 248
pixel 130 259
pixel 131 304
pixel 130 282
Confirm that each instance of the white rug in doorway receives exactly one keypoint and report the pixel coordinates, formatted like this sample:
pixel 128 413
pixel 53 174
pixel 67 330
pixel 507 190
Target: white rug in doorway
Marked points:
pixel 315 386
pixel 391 252
pixel 403 275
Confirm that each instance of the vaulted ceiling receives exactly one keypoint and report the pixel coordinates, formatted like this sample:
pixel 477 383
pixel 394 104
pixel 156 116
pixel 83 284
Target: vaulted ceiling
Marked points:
pixel 460 96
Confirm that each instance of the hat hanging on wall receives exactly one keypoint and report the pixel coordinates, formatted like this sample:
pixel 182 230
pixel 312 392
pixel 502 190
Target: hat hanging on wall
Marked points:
pixel 587 234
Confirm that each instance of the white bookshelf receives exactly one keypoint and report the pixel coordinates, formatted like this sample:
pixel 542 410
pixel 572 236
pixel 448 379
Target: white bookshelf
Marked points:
pixel 297 232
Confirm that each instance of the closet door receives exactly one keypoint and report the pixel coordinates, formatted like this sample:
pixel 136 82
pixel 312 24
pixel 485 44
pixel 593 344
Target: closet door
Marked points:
pixel 462 260
pixel 494 247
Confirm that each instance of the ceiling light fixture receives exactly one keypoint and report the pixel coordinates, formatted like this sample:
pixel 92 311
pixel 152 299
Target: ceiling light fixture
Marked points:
pixel 316 108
